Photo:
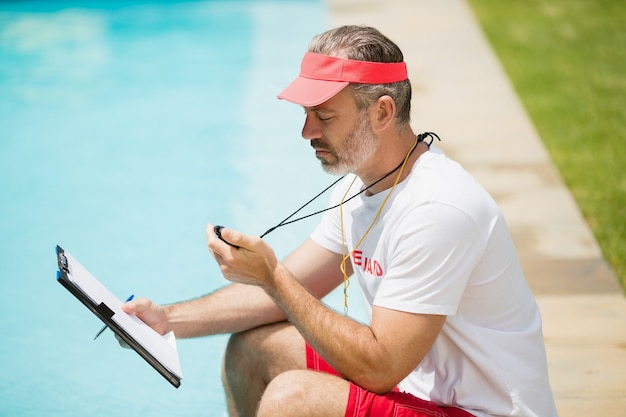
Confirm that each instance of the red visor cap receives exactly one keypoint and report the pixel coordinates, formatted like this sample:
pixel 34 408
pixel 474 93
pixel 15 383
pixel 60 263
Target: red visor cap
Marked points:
pixel 323 76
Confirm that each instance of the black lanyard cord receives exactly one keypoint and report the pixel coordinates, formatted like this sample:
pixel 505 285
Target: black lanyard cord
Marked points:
pixel 420 138
pixel 286 222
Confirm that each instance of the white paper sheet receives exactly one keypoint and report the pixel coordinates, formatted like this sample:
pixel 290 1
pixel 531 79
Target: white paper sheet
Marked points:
pixel 163 348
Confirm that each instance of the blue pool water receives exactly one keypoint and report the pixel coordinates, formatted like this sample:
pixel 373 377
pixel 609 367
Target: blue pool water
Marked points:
pixel 124 128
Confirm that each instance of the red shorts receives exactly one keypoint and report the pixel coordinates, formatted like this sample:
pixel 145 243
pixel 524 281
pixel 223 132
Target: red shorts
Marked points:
pixel 363 403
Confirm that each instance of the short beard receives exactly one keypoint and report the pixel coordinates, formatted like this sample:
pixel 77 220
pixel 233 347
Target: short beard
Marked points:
pixel 359 146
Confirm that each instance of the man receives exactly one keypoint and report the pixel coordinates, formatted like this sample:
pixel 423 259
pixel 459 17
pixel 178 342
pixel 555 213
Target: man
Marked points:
pixel 454 328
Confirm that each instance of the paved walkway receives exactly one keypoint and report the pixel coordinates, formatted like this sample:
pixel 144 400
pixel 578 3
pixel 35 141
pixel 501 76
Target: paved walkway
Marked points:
pixel 462 93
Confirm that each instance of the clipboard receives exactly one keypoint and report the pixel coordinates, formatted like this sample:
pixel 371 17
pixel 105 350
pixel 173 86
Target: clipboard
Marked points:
pixel 158 350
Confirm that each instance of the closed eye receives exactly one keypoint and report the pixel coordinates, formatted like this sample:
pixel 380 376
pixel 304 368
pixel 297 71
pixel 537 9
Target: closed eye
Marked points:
pixel 320 114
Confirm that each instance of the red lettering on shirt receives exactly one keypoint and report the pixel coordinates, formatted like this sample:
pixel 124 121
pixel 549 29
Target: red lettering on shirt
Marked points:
pixel 367 265
pixel 378 270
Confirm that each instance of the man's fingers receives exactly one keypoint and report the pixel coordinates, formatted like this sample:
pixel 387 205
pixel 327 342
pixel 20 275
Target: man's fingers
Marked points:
pixel 229 236
pixel 137 306
pixel 121 342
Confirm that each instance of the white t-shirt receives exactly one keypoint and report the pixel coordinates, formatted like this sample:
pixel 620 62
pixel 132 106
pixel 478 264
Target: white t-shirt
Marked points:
pixel 441 246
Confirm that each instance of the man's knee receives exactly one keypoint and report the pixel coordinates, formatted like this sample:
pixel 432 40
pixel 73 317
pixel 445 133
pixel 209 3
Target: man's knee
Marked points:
pixel 240 347
pixel 303 393
pixel 264 351
pixel 243 355
pixel 287 388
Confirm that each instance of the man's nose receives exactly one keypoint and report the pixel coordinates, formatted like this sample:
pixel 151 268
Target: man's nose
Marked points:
pixel 311 129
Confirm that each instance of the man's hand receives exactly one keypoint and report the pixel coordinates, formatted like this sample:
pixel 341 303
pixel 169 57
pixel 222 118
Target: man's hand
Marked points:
pixel 244 259
pixel 150 313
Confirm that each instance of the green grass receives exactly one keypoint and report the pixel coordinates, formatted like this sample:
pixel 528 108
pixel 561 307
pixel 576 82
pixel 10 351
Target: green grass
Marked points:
pixel 567 61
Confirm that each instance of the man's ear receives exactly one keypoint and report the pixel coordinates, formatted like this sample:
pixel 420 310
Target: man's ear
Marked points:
pixel 383 113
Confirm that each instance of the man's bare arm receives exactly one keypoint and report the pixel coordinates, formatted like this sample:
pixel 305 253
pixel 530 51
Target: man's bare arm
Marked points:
pixel 376 356
pixel 239 307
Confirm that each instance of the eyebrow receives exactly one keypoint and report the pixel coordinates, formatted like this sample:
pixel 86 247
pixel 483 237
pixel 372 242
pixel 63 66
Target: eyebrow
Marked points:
pixel 319 108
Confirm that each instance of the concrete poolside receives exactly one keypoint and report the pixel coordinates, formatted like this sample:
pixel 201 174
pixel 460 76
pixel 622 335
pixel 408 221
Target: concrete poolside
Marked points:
pixel 462 93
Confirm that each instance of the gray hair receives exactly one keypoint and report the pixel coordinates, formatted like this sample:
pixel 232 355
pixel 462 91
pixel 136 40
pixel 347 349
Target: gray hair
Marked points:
pixel 364 43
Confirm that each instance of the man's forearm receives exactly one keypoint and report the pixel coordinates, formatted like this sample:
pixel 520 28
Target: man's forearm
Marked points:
pixel 231 309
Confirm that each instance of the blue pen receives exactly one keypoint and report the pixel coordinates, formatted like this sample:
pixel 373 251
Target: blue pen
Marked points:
pixel 105 326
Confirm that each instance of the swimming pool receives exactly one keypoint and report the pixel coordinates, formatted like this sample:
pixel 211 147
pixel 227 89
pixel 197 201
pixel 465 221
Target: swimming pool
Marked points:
pixel 124 128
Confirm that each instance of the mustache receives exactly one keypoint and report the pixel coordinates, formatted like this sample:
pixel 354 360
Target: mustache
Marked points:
pixel 319 144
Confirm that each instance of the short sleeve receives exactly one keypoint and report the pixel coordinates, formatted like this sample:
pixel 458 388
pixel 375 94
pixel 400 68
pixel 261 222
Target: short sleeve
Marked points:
pixel 432 252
